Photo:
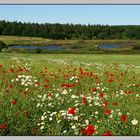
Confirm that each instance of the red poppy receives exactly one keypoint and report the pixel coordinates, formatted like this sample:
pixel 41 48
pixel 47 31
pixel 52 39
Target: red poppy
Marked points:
pixel 81 71
pixel 0 66
pixel 129 92
pixel 110 80
pixel 26 113
pixel 108 133
pixel 72 85
pixel 14 102
pixel 105 103
pixel 94 89
pixel 90 130
pixel 108 112
pixel 37 83
pixel 46 86
pixel 68 85
pixel 96 77
pixel 3 126
pixel 25 92
pixel 50 95
pixel 91 74
pixel 112 74
pixel 11 86
pixel 47 80
pixel 7 91
pixel 3 71
pixel 84 100
pixel 125 92
pixel 122 74
pixel 101 95
pixel 124 118
pixel 12 70
pixel 72 111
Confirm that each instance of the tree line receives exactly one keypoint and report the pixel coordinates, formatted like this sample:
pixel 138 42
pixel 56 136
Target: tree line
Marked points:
pixel 70 31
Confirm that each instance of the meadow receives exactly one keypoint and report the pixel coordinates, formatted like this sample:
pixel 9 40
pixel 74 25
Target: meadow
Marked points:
pixel 69 94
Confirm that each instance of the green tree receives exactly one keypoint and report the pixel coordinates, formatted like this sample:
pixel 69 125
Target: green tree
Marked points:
pixel 70 31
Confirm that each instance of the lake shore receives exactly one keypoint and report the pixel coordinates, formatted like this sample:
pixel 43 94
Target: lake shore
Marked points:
pixel 73 46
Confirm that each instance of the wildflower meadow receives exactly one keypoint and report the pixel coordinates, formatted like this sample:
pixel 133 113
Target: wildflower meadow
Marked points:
pixel 69 95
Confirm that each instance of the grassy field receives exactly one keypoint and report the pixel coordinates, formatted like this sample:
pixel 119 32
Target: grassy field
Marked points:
pixel 69 94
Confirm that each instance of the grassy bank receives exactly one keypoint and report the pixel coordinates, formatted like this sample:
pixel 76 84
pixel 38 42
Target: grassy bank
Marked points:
pixel 73 46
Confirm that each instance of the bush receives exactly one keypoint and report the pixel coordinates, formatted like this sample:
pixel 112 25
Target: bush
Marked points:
pixel 3 46
pixel 38 50
pixel 92 49
pixel 136 47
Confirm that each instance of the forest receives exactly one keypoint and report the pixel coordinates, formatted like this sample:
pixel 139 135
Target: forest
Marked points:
pixel 70 31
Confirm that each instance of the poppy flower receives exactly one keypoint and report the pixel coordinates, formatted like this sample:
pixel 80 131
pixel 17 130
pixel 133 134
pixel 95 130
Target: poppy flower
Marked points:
pixel 46 86
pixel 90 130
pixel 108 133
pixel 50 95
pixel 94 89
pixel 112 74
pixel 25 92
pixel 108 112
pixel 91 74
pixel 110 80
pixel 37 83
pixel 3 126
pixel 72 111
pixel 122 74
pixel 84 100
pixel 7 91
pixel 47 80
pixel 81 71
pixel 105 103
pixel 102 95
pixel 14 102
pixel 26 113
pixel 124 118
pixel 12 70
pixel 11 86
pixel 3 71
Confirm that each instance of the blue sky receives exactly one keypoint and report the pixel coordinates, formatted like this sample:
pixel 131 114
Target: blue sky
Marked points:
pixel 82 14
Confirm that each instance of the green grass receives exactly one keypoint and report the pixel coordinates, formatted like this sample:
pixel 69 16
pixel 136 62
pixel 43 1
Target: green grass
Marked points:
pixel 65 84
pixel 88 58
pixel 16 40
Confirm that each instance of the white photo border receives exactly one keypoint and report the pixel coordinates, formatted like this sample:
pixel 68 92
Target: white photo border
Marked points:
pixel 69 2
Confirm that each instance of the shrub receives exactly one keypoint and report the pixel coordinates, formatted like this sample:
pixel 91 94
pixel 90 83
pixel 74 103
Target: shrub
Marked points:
pixel 38 50
pixel 136 47
pixel 2 46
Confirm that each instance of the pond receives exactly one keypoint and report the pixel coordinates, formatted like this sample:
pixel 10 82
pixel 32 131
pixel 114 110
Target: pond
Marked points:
pixel 109 46
pixel 48 48
pixel 60 48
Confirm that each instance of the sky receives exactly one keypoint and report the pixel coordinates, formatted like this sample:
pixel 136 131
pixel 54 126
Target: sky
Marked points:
pixel 76 14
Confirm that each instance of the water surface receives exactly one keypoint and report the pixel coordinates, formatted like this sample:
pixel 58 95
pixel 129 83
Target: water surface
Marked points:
pixel 109 46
